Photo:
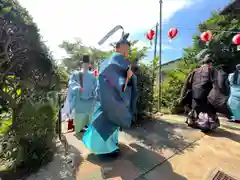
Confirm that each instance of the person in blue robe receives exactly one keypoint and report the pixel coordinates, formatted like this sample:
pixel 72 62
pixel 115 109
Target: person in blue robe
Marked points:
pixel 234 99
pixel 115 108
pixel 81 95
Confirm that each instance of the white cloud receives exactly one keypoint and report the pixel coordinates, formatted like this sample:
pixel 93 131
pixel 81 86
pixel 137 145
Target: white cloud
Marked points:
pixel 60 20
pixel 141 44
pixel 166 47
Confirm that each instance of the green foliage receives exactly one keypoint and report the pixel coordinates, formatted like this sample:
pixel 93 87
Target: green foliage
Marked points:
pixel 30 143
pixel 5 123
pixel 27 74
pixel 145 90
pixel 23 55
pixel 224 27
pixel 144 75
pixel 173 83
pixel 171 89
pixel 62 76
pixel 76 50
pixel 135 53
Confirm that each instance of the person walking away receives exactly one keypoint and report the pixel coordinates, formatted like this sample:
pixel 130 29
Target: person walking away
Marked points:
pixel 219 94
pixel 197 88
pixel 234 99
pixel 116 102
pixel 67 115
pixel 81 95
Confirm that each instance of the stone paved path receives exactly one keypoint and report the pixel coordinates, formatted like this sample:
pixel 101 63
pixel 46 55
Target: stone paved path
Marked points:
pixel 164 149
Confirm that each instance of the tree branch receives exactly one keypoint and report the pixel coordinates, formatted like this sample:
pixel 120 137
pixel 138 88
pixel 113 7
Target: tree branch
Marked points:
pixel 8 98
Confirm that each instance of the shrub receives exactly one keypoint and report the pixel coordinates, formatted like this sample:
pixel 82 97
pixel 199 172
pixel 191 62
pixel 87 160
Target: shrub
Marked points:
pixel 30 143
pixel 145 90
pixel 171 90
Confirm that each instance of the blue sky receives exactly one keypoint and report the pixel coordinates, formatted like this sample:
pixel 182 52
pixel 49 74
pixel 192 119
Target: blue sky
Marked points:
pixel 90 20
pixel 186 20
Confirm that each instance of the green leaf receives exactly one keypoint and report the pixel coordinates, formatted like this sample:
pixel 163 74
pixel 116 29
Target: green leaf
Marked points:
pixel 19 91
pixel 5 11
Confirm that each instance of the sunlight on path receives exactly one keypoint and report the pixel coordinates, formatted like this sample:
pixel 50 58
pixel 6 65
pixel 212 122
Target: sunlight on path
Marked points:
pixel 165 149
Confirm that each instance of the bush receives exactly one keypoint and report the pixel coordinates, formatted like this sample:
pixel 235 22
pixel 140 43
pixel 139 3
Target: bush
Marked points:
pixel 145 90
pixel 30 143
pixel 171 90
pixel 26 138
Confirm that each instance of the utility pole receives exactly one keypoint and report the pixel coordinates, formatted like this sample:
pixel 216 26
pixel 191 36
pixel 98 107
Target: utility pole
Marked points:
pixel 154 59
pixel 155 52
pixel 155 43
pixel 160 58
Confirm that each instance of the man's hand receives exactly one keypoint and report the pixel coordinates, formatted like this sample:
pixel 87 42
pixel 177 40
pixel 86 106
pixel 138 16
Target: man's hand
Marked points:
pixel 129 73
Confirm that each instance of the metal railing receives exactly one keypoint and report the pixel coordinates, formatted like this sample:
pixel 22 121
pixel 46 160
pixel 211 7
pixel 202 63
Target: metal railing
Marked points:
pixel 61 99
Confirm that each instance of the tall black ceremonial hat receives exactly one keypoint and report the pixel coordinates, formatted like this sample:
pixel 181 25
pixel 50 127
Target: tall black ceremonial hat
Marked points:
pixel 123 40
pixel 86 58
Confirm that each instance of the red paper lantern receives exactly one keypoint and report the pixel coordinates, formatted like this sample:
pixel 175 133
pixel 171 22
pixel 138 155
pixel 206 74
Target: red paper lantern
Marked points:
pixel 95 73
pixel 206 36
pixel 236 39
pixel 150 34
pixel 172 33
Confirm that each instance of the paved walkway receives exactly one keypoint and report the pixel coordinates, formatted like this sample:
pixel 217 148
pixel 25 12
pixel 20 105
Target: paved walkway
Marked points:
pixel 165 149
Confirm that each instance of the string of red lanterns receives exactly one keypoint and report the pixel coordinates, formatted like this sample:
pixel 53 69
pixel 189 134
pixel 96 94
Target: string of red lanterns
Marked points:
pixel 204 37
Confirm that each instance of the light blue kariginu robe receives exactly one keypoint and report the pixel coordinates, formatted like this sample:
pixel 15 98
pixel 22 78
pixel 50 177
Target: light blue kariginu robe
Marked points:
pixel 81 102
pixel 114 108
pixel 234 98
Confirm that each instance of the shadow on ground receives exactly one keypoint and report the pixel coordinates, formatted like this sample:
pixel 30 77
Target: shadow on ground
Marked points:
pixel 134 162
pixel 74 159
pixel 231 127
pixel 62 166
pixel 9 172
pixel 226 134
pixel 18 173
pixel 159 134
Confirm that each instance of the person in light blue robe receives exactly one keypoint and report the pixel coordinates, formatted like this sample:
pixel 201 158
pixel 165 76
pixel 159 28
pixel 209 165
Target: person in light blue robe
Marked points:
pixel 115 108
pixel 81 95
pixel 234 99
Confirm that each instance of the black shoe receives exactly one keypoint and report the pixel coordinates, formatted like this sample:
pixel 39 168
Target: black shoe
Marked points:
pixel 206 131
pixel 114 153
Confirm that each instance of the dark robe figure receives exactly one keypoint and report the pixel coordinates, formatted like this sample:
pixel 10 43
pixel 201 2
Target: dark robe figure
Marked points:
pixel 219 94
pixel 195 94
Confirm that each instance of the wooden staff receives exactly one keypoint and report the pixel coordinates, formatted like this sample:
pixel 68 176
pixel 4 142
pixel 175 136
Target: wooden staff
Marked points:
pixel 127 78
